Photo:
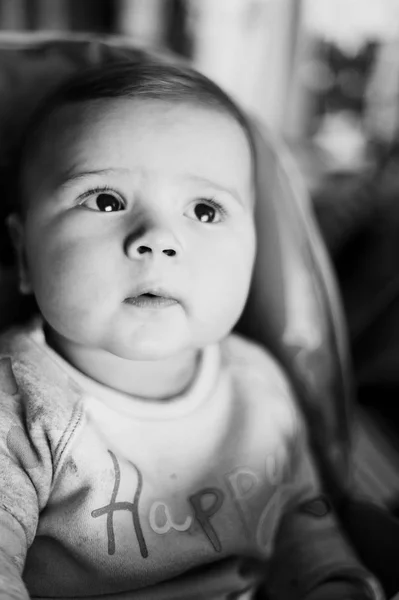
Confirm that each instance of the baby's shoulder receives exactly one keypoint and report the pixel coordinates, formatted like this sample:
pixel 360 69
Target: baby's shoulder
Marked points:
pixel 240 353
pixel 260 382
pixel 31 382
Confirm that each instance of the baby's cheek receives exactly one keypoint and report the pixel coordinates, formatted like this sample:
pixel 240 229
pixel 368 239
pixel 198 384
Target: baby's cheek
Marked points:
pixel 66 282
pixel 221 301
pixel 236 267
pixel 234 287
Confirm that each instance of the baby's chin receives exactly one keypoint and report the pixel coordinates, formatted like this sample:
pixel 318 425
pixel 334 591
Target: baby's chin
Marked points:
pixel 151 349
pixel 179 337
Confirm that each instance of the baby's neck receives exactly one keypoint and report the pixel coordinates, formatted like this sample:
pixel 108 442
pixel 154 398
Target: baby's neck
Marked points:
pixel 152 380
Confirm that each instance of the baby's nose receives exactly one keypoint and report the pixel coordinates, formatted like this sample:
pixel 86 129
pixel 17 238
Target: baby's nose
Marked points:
pixel 155 242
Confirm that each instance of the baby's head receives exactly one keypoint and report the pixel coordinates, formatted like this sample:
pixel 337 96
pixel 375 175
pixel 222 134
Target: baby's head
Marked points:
pixel 135 227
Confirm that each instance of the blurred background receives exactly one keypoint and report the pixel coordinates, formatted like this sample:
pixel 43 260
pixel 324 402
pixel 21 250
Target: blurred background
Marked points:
pixel 323 74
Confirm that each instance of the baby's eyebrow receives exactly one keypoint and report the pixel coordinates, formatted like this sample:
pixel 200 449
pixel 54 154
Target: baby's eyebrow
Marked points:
pixel 72 175
pixel 222 188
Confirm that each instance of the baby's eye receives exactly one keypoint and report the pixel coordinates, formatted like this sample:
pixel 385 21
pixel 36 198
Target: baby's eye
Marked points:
pixel 208 211
pixel 104 202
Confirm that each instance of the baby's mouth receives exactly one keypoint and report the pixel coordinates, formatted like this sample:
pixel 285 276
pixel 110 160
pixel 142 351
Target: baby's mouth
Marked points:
pixel 151 300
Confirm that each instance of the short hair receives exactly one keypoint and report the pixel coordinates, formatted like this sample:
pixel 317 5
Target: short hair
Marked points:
pixel 126 79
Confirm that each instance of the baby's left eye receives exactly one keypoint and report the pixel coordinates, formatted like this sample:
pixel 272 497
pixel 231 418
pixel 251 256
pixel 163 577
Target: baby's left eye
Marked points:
pixel 208 211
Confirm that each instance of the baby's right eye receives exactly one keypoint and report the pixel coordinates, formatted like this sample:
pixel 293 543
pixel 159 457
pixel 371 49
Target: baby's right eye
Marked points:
pixel 103 201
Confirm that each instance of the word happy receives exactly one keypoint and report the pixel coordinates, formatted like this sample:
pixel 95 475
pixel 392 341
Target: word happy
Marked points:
pixel 242 484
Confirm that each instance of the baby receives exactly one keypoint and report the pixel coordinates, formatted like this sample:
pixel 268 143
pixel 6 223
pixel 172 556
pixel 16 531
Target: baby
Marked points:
pixel 145 451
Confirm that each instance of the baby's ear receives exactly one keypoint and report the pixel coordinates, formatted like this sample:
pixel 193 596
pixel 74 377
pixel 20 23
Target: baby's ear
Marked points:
pixel 17 235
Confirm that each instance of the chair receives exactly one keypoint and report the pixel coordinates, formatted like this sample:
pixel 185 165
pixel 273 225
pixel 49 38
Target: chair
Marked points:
pixel 293 309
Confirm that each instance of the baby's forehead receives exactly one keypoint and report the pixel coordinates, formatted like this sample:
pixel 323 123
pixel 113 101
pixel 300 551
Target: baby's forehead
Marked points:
pixel 97 112
pixel 71 123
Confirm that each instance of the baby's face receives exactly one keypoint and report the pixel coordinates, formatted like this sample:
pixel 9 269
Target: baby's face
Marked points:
pixel 139 232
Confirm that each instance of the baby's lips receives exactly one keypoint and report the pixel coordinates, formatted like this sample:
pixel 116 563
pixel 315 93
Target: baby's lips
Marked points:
pixel 154 290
